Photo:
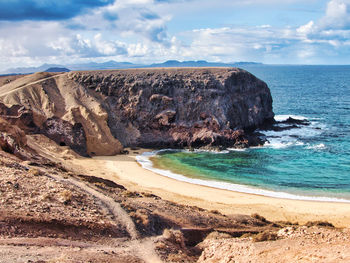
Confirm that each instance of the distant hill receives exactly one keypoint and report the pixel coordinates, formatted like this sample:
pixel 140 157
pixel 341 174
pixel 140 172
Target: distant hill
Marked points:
pixel 199 63
pixel 87 66
pixel 123 65
pixel 57 70
pixel 23 70
pixel 10 74
pixel 104 65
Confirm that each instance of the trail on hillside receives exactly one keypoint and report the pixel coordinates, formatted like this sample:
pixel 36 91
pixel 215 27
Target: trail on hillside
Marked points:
pixel 25 85
pixel 144 248
pixel 130 246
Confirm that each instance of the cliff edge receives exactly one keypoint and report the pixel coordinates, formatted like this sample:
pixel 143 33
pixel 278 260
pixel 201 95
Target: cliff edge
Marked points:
pixel 100 112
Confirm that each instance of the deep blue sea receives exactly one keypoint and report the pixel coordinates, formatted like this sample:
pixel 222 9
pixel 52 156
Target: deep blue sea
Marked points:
pixel 310 163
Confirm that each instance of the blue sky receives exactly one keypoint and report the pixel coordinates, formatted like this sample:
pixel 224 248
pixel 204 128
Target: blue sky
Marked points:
pixel 33 32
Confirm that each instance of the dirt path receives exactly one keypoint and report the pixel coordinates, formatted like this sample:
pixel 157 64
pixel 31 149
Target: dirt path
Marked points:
pixel 26 249
pixel 29 84
pixel 113 207
pixel 143 248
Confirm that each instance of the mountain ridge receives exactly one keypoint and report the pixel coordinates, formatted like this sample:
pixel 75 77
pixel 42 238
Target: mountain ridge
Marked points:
pixel 124 65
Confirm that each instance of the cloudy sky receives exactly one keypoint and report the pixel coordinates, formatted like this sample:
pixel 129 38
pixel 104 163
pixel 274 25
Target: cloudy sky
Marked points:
pixel 33 32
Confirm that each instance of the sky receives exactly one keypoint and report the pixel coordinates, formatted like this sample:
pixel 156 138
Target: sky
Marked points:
pixel 33 32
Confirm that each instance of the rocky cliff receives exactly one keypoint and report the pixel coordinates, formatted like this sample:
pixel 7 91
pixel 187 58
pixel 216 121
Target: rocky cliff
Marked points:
pixel 99 112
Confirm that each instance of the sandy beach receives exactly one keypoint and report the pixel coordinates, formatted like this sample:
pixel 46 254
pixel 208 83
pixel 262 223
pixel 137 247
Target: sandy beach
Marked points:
pixel 124 169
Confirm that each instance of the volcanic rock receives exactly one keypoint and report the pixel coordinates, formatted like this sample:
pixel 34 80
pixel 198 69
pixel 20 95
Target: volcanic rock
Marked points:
pixel 181 107
pixel 100 112
pixel 12 139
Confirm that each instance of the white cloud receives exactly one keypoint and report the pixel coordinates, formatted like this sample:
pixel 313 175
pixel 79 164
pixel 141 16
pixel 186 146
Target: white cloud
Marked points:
pixel 337 15
pixel 306 29
pixel 138 50
pixel 239 43
pixel 332 29
pixel 11 49
pixel 306 52
pixel 62 44
pixel 133 19
pixel 336 8
pixel 107 48
pixel 137 31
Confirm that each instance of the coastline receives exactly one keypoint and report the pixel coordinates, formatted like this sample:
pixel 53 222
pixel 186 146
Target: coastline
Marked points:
pixel 146 163
pixel 124 169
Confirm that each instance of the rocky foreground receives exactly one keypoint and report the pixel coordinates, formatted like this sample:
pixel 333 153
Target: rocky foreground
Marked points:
pixel 52 211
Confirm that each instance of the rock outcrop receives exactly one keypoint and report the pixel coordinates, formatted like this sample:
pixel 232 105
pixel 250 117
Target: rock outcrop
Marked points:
pixel 64 111
pixel 99 112
pixel 12 138
pixel 181 107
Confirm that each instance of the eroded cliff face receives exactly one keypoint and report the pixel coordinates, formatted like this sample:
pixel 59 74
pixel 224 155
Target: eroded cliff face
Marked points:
pixel 100 112
pixel 181 107
pixel 62 110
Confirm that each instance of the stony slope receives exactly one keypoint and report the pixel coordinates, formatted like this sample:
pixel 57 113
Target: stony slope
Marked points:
pixel 293 244
pixel 100 112
pixel 57 215
pixel 52 214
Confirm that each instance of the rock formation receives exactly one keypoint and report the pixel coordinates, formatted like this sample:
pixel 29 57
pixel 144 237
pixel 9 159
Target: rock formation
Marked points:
pixel 99 112
pixel 12 139
pixel 64 111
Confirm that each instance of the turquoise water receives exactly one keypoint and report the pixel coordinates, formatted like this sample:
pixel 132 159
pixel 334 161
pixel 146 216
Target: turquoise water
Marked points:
pixel 311 161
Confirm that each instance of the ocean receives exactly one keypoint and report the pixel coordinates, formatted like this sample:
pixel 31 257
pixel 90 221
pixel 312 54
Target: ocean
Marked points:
pixel 307 163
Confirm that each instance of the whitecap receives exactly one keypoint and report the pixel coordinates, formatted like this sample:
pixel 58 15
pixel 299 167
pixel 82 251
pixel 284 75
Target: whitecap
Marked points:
pixel 199 151
pixel 293 136
pixel 301 132
pixel 238 149
pixel 278 143
pixel 210 151
pixel 320 146
pixel 281 118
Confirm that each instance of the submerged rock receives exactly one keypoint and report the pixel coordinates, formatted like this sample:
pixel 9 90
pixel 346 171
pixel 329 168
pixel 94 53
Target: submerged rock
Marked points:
pixel 293 121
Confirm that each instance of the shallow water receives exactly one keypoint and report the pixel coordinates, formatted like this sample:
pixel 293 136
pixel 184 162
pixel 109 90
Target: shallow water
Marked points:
pixel 306 163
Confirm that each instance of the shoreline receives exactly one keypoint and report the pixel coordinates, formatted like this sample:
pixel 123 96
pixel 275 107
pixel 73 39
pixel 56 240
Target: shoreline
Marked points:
pixel 124 169
pixel 144 160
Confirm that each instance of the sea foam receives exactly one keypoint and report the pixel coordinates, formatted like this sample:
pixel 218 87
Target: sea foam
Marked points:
pixel 320 146
pixel 280 118
pixel 293 136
